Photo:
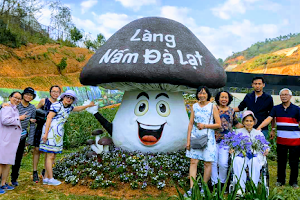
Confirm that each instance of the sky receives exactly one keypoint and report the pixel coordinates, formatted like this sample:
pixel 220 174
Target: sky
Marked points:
pixel 223 26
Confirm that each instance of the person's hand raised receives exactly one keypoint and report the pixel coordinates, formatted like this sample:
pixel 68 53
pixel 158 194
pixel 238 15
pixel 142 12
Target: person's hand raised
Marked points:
pixel 93 109
pixel 24 116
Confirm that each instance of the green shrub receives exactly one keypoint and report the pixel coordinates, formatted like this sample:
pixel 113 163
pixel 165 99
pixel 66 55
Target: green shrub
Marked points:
pixel 62 65
pixel 79 127
pixel 52 50
pixel 81 58
pixel 7 37
pixel 67 43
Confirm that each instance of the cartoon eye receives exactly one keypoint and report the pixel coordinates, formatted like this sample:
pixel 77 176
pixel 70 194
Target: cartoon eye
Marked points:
pixel 163 108
pixel 141 108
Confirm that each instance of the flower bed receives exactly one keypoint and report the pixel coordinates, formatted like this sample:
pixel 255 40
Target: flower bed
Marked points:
pixel 117 166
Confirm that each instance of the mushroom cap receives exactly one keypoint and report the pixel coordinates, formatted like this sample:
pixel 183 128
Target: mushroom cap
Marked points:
pixel 90 142
pixel 129 59
pixel 97 132
pixel 105 141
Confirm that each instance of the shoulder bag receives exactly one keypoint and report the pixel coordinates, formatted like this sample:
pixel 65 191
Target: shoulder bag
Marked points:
pixel 201 142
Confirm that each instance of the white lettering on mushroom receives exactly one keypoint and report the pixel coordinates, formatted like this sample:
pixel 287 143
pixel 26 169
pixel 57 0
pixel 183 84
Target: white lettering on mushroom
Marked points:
pixel 149 37
pixel 181 58
pixel 106 57
pixel 171 39
pixel 168 58
pixel 161 37
pixel 192 60
pixel 199 57
pixel 129 57
pixel 117 57
pixel 152 56
pixel 135 34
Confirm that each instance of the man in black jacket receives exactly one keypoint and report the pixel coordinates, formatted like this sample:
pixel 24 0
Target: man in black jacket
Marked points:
pixel 259 102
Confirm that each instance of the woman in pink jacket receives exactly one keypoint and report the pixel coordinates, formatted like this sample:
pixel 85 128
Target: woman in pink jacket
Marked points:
pixel 10 133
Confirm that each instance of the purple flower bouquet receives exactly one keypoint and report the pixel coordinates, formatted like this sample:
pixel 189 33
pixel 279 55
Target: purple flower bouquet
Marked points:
pixel 238 142
pixel 260 144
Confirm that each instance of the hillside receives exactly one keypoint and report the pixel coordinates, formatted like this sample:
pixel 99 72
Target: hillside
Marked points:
pixel 285 61
pixel 268 46
pixel 36 66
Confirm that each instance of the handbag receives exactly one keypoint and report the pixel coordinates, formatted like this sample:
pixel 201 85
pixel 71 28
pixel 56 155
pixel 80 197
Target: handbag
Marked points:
pixel 200 142
pixel 41 115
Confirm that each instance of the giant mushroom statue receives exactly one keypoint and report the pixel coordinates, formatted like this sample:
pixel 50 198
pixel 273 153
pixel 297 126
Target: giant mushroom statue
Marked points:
pixel 153 60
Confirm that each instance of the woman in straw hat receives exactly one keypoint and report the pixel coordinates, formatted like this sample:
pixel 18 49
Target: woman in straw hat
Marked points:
pixel 53 131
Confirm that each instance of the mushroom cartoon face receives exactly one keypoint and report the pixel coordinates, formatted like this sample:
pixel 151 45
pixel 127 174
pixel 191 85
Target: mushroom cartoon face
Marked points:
pixel 153 60
pixel 153 120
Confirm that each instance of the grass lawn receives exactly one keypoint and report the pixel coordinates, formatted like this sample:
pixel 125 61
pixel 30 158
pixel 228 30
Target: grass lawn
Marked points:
pixel 29 190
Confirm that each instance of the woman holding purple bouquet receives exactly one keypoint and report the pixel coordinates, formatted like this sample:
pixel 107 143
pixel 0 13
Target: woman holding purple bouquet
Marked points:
pixel 228 120
pixel 255 157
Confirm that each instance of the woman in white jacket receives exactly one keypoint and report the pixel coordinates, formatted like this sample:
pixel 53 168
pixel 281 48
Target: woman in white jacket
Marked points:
pixel 254 161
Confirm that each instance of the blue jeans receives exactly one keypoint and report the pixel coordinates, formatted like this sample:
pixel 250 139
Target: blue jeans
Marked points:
pixel 266 134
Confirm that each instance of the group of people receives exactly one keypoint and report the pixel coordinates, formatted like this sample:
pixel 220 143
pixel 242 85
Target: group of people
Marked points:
pixel 218 120
pixel 19 127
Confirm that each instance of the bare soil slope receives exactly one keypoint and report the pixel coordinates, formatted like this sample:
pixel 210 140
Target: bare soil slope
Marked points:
pixel 36 66
pixel 284 62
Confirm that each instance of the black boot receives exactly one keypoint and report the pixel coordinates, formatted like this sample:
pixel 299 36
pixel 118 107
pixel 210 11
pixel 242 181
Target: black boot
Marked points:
pixel 35 177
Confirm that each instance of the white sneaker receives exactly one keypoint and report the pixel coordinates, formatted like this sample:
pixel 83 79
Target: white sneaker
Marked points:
pixel 45 181
pixel 53 181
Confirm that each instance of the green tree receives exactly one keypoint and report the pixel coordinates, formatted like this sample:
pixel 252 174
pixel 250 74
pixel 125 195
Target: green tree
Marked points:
pixel 221 62
pixel 95 44
pixel 76 34
pixel 100 40
pixel 61 17
pixel 89 44
pixel 20 8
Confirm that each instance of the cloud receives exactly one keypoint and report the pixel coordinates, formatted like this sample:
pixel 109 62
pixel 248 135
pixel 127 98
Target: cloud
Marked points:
pixel 45 18
pixel 223 40
pixel 137 4
pixel 229 8
pixel 86 5
pixel 106 24
pixel 234 37
pixel 112 20
pixel 234 7
pixel 270 6
pixel 178 14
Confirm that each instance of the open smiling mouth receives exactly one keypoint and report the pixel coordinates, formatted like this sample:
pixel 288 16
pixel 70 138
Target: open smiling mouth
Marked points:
pixel 150 134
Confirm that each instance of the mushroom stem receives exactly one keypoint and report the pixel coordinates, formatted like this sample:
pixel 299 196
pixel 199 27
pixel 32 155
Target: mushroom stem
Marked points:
pixel 106 148
pixel 104 122
pixel 98 149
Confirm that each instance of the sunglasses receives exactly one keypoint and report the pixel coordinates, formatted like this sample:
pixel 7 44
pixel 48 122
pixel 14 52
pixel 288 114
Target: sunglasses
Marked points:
pixel 70 97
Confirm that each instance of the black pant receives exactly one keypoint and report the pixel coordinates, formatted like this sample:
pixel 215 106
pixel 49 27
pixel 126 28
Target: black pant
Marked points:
pixel 282 151
pixel 16 168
